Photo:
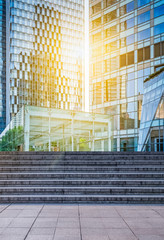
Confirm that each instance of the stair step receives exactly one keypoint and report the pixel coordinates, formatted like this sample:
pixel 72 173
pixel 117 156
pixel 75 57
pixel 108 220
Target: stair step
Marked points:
pixel 83 199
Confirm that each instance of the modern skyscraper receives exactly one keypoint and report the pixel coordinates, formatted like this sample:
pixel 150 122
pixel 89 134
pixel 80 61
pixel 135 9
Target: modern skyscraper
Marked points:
pixel 126 46
pixel 2 64
pixel 45 61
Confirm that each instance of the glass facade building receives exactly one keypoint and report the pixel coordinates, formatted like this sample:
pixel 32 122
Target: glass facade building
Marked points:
pixel 126 46
pixel 2 64
pixel 151 134
pixel 48 129
pixel 45 66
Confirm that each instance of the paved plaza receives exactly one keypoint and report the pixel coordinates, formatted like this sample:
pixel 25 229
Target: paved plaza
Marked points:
pixel 81 222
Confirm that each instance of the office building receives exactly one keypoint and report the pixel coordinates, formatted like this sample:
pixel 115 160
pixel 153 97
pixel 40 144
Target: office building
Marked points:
pixel 151 134
pixel 2 64
pixel 126 46
pixel 45 54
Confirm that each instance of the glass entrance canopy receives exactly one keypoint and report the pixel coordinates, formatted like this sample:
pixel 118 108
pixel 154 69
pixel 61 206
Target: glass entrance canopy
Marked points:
pixel 46 129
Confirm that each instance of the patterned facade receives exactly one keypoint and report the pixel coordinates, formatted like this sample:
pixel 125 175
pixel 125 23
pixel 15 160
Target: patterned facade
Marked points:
pixel 46 58
pixel 127 45
pixel 2 64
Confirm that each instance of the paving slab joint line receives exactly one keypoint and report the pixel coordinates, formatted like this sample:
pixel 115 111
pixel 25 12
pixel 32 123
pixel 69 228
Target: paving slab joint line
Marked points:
pixel 81 238
pixel 53 238
pixel 5 207
pixel 33 222
pixel 126 224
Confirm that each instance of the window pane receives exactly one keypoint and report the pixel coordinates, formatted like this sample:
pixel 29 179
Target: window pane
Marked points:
pixel 130 23
pixel 140 85
pixel 130 58
pixel 157 50
pixel 159 11
pixel 142 2
pixel 130 39
pixel 147 53
pixel 123 60
pixel 130 7
pixel 130 88
pixel 144 17
pixel 140 55
pixel 158 29
pixel 144 34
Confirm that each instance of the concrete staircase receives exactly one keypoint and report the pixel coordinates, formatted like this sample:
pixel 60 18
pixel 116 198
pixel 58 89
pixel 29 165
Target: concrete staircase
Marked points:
pixel 81 177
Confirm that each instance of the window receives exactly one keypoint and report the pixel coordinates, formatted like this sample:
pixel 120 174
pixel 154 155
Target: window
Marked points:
pixel 123 86
pixel 127 8
pixel 111 64
pixel 127 24
pixel 97 68
pixel 130 39
pixel 109 2
pixel 143 54
pixel 144 34
pixel 110 90
pixel 96 37
pixel 110 16
pixel 144 17
pixel 130 23
pixel 130 7
pixel 110 47
pixel 130 88
pixel 96 23
pixel 127 59
pixel 111 31
pixel 130 56
pixel 123 60
pixel 96 52
pixel 158 11
pixel 97 93
pixel 158 29
pixel 96 8
pixel 142 2
pixel 159 49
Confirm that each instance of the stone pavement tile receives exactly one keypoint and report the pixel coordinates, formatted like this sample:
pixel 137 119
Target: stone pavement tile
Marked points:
pixel 9 213
pixel 145 231
pixel 49 213
pixel 5 222
pixel 109 213
pixel 28 213
pixel 151 237
pixel 17 206
pixel 67 234
pixel 68 223
pixel 63 237
pixel 94 234
pixel 90 213
pixel 34 206
pixel 42 231
pixel 114 223
pixel 139 213
pixel 69 213
pixel 121 234
pixel 11 237
pixel 132 207
pixel 45 222
pixel 15 231
pixel 52 207
pixel 39 237
pixel 92 223
pixel 22 222
pixel 1 230
pixel 69 207
pixel 145 222
pixel 160 212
